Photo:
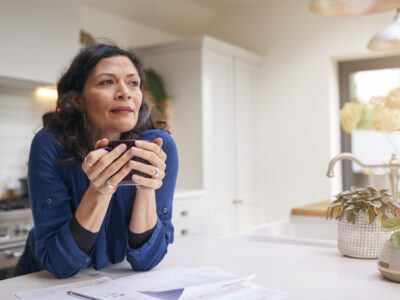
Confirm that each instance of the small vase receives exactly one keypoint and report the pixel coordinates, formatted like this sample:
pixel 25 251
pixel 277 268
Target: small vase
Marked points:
pixel 361 240
pixel 389 262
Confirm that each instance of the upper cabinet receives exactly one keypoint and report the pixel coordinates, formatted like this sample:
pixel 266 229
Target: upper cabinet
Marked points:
pixel 39 38
pixel 214 90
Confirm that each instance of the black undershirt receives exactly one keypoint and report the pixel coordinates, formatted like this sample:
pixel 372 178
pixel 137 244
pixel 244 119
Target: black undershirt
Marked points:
pixel 86 239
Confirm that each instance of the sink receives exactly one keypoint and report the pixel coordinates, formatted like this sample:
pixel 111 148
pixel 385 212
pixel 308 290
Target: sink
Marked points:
pixel 299 230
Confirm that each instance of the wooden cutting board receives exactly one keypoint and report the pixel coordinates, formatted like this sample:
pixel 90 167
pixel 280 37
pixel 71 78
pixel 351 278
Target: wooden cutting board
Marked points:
pixel 317 209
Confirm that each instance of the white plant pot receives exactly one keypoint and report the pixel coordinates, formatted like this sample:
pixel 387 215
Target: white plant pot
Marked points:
pixel 389 262
pixel 360 240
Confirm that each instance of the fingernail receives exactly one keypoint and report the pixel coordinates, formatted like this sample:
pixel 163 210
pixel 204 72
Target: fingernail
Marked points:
pixel 135 150
pixel 121 146
pixel 132 163
pixel 139 143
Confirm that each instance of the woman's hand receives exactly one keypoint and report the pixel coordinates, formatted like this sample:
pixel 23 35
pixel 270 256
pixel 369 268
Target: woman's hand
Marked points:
pixel 153 153
pixel 106 170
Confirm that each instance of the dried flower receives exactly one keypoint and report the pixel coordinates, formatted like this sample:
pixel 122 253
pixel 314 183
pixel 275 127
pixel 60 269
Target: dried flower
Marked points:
pixel 387 119
pixel 381 113
pixel 392 100
pixel 350 115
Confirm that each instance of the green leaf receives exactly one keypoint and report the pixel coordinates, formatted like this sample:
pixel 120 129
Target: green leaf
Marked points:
pixel 391 224
pixel 351 217
pixel 370 216
pixel 395 238
pixel 336 211
pixel 335 203
pixel 350 207
pixel 377 211
pixel 372 190
pixel 389 211
pixel 375 200
pixel 381 219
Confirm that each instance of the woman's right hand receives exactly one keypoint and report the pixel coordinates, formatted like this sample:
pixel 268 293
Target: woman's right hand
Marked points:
pixel 106 169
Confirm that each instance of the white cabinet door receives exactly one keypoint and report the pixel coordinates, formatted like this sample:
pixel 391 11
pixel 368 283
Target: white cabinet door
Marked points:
pixel 218 141
pixel 246 147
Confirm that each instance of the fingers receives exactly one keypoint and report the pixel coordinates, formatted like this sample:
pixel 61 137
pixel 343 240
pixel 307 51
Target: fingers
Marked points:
pixel 115 179
pixel 101 159
pixel 101 143
pixel 150 170
pixel 106 169
pixel 147 182
pixel 151 151
pixel 92 158
pixel 115 168
pixel 158 141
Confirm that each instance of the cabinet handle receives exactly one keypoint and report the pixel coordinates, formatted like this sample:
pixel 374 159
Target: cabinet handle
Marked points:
pixel 237 201
pixel 184 232
pixel 184 213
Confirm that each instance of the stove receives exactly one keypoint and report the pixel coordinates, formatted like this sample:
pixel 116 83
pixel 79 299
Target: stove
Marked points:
pixel 15 223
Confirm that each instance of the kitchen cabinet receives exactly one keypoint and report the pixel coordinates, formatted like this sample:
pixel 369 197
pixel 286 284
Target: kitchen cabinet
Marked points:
pixel 188 213
pixel 214 90
pixel 38 37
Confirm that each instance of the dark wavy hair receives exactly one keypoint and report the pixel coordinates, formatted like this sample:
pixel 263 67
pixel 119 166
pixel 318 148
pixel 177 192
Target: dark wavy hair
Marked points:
pixel 68 122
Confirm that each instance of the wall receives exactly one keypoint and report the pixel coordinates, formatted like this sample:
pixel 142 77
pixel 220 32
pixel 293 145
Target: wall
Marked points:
pixel 124 32
pixel 20 118
pixel 299 118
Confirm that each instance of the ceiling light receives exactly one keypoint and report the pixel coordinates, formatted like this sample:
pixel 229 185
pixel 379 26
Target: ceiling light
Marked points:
pixel 351 7
pixel 388 39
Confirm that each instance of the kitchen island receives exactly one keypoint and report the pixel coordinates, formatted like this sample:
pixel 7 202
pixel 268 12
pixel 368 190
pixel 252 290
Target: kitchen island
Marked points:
pixel 303 272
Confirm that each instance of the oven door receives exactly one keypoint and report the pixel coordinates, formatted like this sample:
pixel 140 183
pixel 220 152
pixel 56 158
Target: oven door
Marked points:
pixel 9 255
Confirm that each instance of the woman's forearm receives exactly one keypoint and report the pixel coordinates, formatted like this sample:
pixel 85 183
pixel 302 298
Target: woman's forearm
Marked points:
pixel 92 209
pixel 144 212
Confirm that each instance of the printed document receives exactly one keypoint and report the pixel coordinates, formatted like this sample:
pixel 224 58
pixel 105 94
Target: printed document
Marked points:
pixel 168 284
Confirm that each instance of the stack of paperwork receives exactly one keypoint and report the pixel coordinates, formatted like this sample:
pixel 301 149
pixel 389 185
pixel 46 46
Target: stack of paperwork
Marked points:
pixel 168 284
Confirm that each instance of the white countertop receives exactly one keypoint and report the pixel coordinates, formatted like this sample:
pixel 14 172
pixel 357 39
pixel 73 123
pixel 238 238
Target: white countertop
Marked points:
pixel 187 194
pixel 304 272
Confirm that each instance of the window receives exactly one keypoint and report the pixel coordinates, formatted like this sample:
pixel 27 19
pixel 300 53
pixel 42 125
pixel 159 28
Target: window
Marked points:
pixel 359 80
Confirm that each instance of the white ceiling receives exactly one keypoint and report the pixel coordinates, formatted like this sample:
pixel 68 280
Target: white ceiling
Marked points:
pixel 179 17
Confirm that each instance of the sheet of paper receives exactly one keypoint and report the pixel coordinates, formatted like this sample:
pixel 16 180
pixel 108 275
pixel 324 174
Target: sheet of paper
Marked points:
pixel 194 291
pixel 60 290
pixel 200 283
pixel 111 291
pixel 169 284
pixel 173 278
pixel 102 288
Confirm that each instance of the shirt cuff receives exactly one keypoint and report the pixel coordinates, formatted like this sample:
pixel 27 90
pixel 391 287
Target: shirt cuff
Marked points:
pixel 84 239
pixel 137 240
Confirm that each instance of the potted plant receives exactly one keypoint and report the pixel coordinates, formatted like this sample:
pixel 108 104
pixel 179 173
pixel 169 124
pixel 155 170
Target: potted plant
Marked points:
pixel 156 94
pixel 360 212
pixel 389 259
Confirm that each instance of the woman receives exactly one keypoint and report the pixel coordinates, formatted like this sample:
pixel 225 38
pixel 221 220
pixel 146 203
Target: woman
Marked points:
pixel 81 216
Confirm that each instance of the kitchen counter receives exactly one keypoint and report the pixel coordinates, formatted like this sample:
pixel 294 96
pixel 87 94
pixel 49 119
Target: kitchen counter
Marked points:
pixel 317 209
pixel 303 272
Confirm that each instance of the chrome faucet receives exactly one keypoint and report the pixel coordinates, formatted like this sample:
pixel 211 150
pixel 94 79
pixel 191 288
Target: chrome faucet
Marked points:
pixel 393 166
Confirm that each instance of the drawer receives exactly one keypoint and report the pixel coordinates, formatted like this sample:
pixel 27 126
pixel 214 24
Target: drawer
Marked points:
pixel 187 216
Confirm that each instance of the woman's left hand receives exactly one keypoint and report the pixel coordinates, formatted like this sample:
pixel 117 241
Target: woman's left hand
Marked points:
pixel 153 153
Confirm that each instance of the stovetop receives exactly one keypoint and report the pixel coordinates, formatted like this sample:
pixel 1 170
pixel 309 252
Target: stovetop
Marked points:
pixel 14 203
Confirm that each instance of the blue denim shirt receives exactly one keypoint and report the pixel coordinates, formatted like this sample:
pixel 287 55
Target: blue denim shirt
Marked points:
pixel 55 193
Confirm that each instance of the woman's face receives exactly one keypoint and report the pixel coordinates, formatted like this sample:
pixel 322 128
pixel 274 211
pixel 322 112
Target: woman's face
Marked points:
pixel 111 97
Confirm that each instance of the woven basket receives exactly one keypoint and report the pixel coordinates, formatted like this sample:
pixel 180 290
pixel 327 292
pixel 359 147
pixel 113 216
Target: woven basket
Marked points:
pixel 360 239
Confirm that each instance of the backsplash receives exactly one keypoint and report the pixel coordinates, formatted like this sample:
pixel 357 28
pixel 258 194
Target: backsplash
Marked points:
pixel 20 118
